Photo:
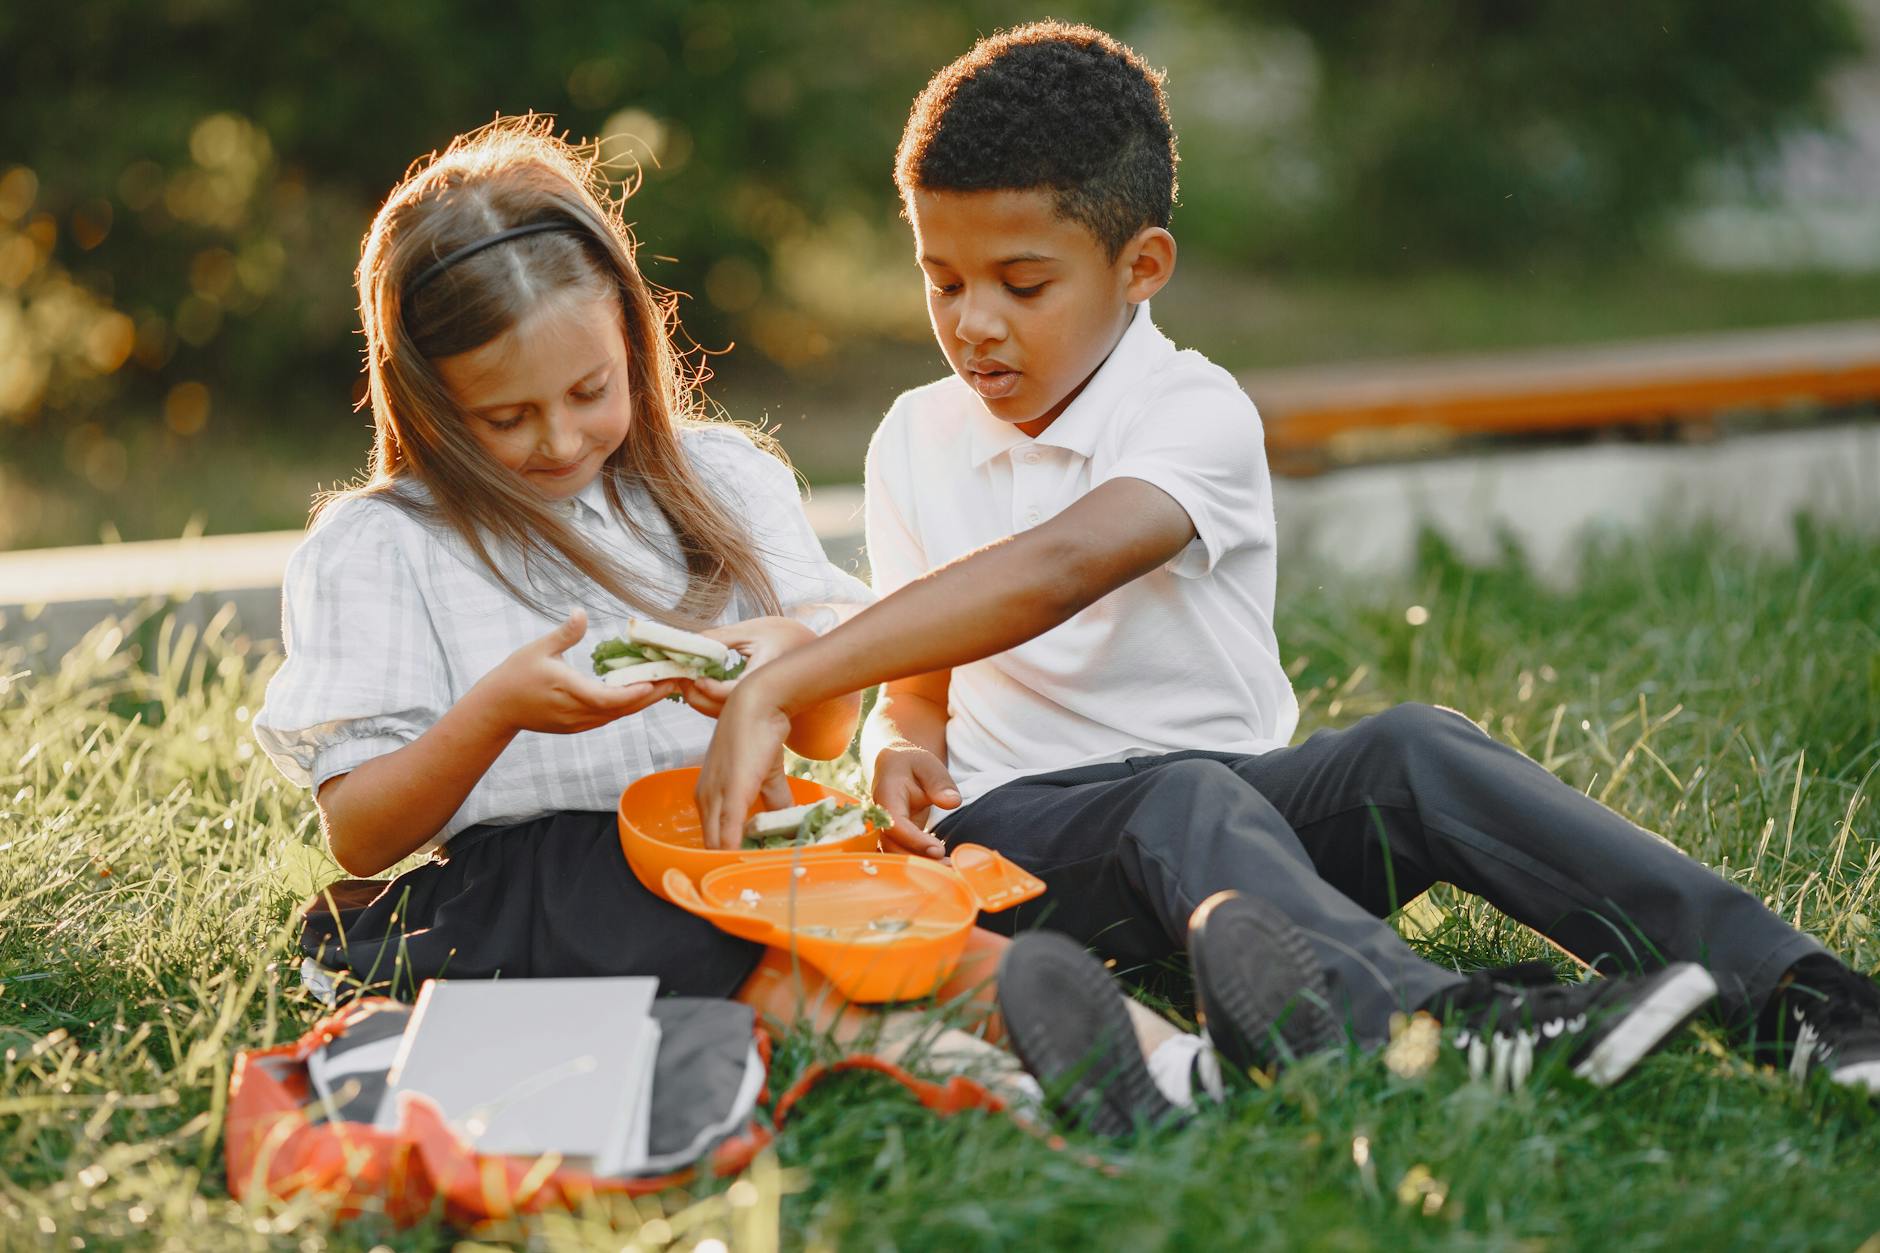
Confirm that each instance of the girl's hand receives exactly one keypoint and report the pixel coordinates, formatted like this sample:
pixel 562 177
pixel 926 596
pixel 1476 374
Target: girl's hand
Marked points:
pixel 760 640
pixel 909 781
pixel 533 689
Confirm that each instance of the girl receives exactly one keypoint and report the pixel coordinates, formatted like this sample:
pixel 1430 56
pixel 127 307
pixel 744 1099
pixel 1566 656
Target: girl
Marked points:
pixel 539 472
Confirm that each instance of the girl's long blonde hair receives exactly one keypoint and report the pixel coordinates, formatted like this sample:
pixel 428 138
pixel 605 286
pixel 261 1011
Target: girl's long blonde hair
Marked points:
pixel 511 172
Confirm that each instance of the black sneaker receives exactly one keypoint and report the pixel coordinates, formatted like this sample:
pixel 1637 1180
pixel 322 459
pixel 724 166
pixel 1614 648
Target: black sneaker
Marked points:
pixel 1064 1017
pixel 1826 1017
pixel 1259 990
pixel 1505 1018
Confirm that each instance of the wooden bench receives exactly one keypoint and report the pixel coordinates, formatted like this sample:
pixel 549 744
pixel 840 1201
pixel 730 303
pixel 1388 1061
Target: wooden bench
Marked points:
pixel 1318 416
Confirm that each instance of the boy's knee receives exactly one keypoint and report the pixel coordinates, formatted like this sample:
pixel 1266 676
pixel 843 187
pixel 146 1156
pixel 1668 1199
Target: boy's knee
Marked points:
pixel 1187 800
pixel 1406 741
pixel 1193 781
pixel 1413 726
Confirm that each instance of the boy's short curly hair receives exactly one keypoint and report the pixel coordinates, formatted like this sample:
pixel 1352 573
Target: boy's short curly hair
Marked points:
pixel 1048 105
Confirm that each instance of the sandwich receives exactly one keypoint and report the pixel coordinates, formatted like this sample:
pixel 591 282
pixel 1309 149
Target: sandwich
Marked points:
pixel 820 822
pixel 651 651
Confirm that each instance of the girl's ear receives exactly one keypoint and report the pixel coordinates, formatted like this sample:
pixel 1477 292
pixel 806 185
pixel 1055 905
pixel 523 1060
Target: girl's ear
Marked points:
pixel 1149 262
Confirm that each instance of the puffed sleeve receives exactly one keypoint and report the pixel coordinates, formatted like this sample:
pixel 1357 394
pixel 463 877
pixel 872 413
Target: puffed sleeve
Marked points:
pixel 763 490
pixel 1202 443
pixel 365 672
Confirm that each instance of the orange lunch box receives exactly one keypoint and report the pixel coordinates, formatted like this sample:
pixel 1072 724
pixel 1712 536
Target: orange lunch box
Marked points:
pixel 660 829
pixel 880 926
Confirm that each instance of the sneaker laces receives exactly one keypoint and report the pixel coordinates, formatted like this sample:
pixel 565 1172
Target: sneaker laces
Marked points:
pixel 1502 1016
pixel 1829 1009
pixel 1484 990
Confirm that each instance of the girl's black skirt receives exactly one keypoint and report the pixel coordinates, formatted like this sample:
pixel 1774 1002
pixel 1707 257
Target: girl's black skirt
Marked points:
pixel 552 897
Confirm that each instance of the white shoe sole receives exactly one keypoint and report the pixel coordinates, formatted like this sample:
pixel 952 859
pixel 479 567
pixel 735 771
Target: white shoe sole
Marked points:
pixel 1865 1075
pixel 1681 991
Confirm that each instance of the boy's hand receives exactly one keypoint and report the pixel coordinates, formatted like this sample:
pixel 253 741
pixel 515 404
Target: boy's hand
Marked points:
pixel 745 750
pixel 760 640
pixel 533 689
pixel 909 781
pixel 776 794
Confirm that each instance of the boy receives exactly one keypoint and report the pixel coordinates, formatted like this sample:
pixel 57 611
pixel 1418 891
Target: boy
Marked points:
pixel 1090 678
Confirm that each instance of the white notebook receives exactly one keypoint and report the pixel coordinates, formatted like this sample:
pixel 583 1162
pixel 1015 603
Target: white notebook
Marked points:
pixel 532 1066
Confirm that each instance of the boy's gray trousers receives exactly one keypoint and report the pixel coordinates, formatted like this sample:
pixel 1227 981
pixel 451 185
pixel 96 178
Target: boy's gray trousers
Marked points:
pixel 1340 830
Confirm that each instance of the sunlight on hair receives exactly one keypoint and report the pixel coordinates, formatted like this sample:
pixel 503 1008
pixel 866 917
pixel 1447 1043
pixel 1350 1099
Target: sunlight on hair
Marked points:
pixel 522 171
pixel 631 140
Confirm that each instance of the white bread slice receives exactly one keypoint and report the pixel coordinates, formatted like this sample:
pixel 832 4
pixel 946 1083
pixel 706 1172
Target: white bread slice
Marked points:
pixel 780 821
pixel 659 635
pixel 851 821
pixel 646 672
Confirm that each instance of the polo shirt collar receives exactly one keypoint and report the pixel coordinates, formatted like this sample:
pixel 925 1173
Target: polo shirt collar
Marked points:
pixel 1141 349
pixel 592 498
pixel 987 436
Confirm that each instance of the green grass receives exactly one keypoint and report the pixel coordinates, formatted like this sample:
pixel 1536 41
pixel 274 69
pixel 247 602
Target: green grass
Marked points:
pixel 149 861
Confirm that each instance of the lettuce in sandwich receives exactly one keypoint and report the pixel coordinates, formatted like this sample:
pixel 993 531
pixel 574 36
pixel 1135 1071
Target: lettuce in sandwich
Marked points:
pixel 820 822
pixel 651 651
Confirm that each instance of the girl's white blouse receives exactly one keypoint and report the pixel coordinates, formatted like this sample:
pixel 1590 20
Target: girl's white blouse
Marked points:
pixel 387 622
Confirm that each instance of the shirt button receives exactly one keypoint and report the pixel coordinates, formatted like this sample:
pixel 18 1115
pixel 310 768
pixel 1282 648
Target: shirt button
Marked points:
pixel 1033 456
pixel 1031 517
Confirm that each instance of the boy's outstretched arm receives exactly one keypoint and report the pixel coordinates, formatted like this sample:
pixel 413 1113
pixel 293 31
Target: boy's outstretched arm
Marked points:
pixel 984 603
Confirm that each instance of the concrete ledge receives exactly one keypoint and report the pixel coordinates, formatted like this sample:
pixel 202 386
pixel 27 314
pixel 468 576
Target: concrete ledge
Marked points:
pixel 1364 521
pixel 50 597
pixel 178 567
pixel 1360 521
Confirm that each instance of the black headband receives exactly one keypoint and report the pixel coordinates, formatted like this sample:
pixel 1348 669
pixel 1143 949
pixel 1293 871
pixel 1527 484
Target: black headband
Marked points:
pixel 488 241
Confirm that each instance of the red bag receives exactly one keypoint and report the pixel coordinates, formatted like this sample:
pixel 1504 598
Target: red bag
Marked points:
pixel 279 1144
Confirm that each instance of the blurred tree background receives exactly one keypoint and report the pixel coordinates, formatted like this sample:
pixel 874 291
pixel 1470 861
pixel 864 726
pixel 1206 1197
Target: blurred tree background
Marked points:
pixel 183 185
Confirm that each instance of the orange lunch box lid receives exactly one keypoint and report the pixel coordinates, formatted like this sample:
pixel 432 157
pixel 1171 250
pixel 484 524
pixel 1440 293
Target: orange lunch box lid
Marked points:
pixel 660 828
pixel 881 926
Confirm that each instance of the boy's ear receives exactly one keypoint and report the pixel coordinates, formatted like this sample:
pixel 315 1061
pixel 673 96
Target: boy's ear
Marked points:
pixel 1149 260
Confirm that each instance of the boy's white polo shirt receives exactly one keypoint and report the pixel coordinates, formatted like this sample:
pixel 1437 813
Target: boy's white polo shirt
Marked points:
pixel 1183 657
